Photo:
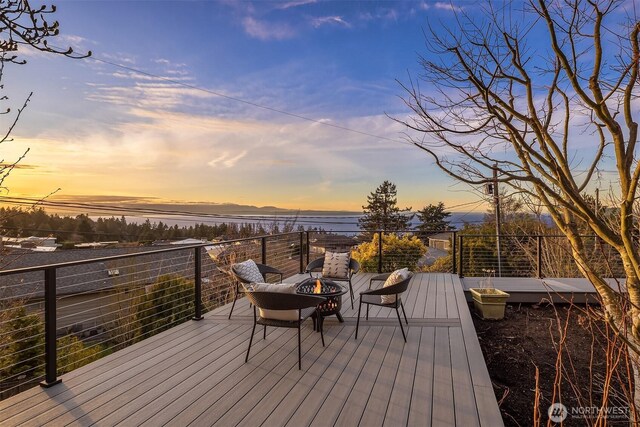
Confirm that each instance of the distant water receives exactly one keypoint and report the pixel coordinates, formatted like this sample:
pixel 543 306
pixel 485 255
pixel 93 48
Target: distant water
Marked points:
pixel 341 224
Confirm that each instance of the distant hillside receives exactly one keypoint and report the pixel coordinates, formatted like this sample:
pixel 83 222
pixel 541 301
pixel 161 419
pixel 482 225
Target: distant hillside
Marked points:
pixel 73 204
pixel 235 209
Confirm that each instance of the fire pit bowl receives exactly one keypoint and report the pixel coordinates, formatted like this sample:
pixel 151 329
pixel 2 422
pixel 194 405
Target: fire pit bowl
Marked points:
pixel 325 288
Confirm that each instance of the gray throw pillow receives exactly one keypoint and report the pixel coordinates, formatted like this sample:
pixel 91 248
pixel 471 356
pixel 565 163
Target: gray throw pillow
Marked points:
pixel 248 270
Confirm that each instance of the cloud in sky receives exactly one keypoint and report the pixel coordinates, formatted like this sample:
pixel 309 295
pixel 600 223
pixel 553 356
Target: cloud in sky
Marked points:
pixel 94 198
pixel 18 166
pixel 162 96
pixel 192 157
pixel 329 20
pixel 119 57
pixel 291 4
pixel 265 30
pixel 226 159
pixel 447 6
pixel 135 134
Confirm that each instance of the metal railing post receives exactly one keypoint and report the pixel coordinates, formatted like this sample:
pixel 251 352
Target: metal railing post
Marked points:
pixel 264 249
pixel 379 252
pixel 308 247
pixel 461 263
pixel 454 254
pixel 50 351
pixel 301 253
pixel 198 284
pixel 539 256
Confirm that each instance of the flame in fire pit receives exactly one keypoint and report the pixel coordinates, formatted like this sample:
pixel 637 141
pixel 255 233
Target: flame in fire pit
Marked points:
pixel 318 288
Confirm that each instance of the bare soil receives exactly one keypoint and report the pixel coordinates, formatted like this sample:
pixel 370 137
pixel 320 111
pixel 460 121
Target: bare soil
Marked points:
pixel 529 337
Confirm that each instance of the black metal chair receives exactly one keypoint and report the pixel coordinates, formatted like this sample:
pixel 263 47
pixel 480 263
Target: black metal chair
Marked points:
pixel 240 280
pixel 305 304
pixel 374 297
pixel 318 264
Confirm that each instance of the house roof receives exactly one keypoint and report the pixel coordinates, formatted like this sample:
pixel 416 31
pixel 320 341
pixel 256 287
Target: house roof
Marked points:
pixel 323 240
pixel 94 277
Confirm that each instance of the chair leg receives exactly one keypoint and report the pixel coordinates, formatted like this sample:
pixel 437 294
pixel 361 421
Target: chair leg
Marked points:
pixel 367 311
pixel 321 327
pixel 299 348
pixel 358 321
pixel 235 297
pixel 403 313
pixel 401 328
pixel 351 291
pixel 264 333
pixel 246 359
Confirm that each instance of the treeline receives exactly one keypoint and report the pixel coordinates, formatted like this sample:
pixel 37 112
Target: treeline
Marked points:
pixel 16 222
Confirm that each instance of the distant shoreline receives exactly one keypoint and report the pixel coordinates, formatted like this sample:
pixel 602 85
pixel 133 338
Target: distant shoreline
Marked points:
pixel 335 223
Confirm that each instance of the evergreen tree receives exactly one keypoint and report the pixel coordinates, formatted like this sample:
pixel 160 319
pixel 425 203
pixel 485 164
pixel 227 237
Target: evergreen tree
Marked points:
pixel 433 219
pixel 84 228
pixel 382 212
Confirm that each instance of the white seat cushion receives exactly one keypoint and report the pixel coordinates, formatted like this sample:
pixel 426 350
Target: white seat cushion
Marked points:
pixel 336 265
pixel 395 277
pixel 248 270
pixel 286 288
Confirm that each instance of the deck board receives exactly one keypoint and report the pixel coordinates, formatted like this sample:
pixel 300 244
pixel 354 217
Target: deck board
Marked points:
pixel 422 396
pixel 194 374
pixel 353 407
pixel 443 409
pixel 376 409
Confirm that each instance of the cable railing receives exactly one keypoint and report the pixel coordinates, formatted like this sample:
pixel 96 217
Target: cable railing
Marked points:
pixel 56 317
pixel 536 256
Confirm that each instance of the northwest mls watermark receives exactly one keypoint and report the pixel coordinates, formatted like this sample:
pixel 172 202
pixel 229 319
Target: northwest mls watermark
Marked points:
pixel 559 412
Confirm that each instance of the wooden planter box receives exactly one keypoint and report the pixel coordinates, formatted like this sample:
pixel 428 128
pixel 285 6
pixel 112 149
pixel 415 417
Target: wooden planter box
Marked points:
pixel 489 302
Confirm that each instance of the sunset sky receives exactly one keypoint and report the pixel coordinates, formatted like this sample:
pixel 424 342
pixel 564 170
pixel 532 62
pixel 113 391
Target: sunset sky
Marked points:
pixel 99 127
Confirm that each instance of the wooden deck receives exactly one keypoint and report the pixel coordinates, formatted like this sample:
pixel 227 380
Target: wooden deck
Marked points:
pixel 195 374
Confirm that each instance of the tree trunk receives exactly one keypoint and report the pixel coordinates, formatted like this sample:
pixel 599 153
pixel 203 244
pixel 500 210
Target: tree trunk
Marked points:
pixel 625 318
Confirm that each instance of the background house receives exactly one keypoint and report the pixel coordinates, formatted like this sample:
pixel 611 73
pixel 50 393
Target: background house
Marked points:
pixel 320 243
pixel 440 241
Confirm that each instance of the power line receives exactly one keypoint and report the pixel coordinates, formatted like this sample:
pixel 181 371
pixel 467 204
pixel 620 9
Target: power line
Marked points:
pixel 463 204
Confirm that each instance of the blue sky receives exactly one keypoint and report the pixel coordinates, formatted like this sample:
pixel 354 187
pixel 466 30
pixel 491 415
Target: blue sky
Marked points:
pixel 98 129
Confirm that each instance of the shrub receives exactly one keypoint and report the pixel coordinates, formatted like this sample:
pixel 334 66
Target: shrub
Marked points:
pixel 21 343
pixel 73 354
pixel 166 304
pixel 397 252
pixel 440 265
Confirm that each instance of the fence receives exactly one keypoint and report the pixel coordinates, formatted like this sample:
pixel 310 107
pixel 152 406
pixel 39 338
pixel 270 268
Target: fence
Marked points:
pixel 531 256
pixel 58 316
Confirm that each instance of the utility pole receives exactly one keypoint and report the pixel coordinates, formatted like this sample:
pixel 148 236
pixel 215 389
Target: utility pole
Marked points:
pixel 496 202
